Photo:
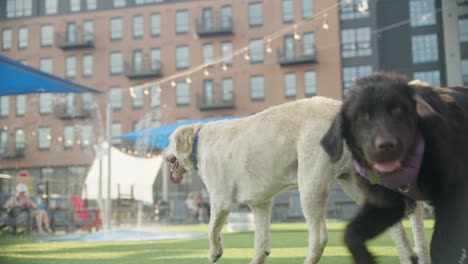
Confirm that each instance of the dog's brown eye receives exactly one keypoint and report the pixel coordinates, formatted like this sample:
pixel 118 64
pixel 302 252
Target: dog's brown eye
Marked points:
pixel 396 110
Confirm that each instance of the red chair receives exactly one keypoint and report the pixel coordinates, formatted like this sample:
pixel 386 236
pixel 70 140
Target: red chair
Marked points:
pixel 83 217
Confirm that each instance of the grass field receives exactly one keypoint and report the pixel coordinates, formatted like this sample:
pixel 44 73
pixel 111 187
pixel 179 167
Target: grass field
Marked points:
pixel 289 245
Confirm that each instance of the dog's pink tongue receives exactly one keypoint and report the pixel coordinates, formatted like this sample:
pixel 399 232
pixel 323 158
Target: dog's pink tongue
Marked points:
pixel 387 166
pixel 171 174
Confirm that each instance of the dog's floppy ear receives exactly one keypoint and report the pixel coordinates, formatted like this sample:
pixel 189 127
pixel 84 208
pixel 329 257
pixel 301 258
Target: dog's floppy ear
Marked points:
pixel 423 108
pixel 332 141
pixel 184 139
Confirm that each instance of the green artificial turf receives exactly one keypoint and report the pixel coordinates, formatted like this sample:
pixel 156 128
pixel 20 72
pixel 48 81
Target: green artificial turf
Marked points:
pixel 289 245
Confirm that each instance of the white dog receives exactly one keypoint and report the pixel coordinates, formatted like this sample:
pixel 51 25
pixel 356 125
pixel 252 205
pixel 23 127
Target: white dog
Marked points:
pixel 250 160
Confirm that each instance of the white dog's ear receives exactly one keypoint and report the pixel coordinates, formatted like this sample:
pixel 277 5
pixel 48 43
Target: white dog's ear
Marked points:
pixel 184 140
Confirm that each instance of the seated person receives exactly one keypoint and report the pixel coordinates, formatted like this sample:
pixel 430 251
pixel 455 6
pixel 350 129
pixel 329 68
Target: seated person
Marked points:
pixel 22 200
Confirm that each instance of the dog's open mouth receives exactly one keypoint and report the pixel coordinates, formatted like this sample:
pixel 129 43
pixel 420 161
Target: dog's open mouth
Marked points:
pixel 387 166
pixel 174 168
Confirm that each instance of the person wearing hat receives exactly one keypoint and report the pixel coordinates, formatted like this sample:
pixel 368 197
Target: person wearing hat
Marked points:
pixel 21 199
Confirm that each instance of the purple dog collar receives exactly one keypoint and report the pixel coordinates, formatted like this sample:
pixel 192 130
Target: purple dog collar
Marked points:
pixel 405 180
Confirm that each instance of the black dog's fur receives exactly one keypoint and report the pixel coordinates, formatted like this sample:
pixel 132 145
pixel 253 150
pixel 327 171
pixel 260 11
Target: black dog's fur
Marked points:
pixel 384 105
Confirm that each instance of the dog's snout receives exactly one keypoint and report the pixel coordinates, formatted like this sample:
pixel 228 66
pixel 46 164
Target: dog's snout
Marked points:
pixel 172 159
pixel 385 144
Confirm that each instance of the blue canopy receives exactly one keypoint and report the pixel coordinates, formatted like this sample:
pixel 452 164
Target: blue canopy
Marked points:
pixel 17 78
pixel 159 137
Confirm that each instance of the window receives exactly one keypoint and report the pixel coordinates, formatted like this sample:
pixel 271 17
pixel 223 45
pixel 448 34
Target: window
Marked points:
pixel 257 88
pixel 116 28
pixel 255 14
pixel 308 44
pixel 182 93
pixel 432 77
pixel 138 98
pixel 208 92
pixel 50 7
pixel 68 137
pixel 20 104
pixel 43 138
pixel 356 42
pixel 120 3
pixel 18 8
pixel 465 71
pixel 425 48
pixel 182 57
pixel 70 67
pixel 46 65
pixel 207 19
pixel 155 24
pixel 91 4
pixel 256 51
pixel 137 61
pixel 6 39
pixel 226 17
pixel 20 139
pixel 226 52
pixel 75 5
pixel 290 84
pixel 87 70
pixel 310 83
pixel 182 22
pixel 88 30
pixel 116 130
pixel 87 102
pixel 116 98
pixel 47 35
pixel 71 33
pixel 228 90
pixel 23 37
pixel 3 142
pixel 155 96
pixel 307 9
pixel 4 106
pixel 288 11
pixel 45 103
pixel 116 63
pixel 352 9
pixel 462 29
pixel 288 47
pixel 351 73
pixel 422 12
pixel 155 59
pixel 138 26
pixel 86 136
pixel 70 103
pixel 207 53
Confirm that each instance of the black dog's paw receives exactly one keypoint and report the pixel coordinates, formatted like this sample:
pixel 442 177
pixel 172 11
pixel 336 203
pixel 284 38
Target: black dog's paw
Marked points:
pixel 414 260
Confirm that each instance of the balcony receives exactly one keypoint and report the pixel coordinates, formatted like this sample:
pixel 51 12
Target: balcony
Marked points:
pixel 62 112
pixel 147 69
pixel 465 79
pixel 82 40
pixel 221 26
pixel 17 153
pixel 296 57
pixel 215 102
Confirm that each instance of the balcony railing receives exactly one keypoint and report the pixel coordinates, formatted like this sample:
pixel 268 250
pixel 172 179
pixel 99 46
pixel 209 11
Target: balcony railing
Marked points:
pixel 62 112
pixel 296 57
pixel 147 69
pixel 81 40
pixel 220 26
pixel 215 102
pixel 17 153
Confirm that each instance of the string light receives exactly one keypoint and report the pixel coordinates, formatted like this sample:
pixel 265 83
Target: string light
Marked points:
pixel 33 133
pixel 49 137
pixel 206 72
pixel 146 92
pixel 78 142
pixel 246 54
pixel 325 23
pixel 159 90
pixel 224 67
pixel 5 127
pixel 268 48
pixel 60 139
pixel 188 80
pixel 173 84
pixel 297 36
pixel 363 6
pixel 132 92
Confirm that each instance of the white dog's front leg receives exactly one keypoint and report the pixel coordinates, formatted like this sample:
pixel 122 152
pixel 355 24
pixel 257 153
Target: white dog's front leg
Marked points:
pixel 219 213
pixel 262 213
pixel 403 245
pixel 417 224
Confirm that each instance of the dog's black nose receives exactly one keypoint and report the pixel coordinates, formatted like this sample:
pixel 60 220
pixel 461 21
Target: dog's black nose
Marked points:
pixel 172 159
pixel 385 144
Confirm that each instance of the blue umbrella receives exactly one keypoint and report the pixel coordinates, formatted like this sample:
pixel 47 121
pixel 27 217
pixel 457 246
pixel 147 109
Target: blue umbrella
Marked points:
pixel 159 137
pixel 17 78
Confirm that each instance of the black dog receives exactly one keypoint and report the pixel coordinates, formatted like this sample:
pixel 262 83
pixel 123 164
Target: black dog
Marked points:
pixel 409 142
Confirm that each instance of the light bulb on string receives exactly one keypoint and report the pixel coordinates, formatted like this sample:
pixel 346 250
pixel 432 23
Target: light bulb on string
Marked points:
pixel 188 80
pixel 224 67
pixel 5 127
pixel 325 23
pixel 146 92
pixel 363 6
pixel 132 92
pixel 206 72
pixel 33 133
pixel 159 90
pixel 60 139
pixel 173 84
pixel 268 47
pixel 297 36
pixel 246 55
